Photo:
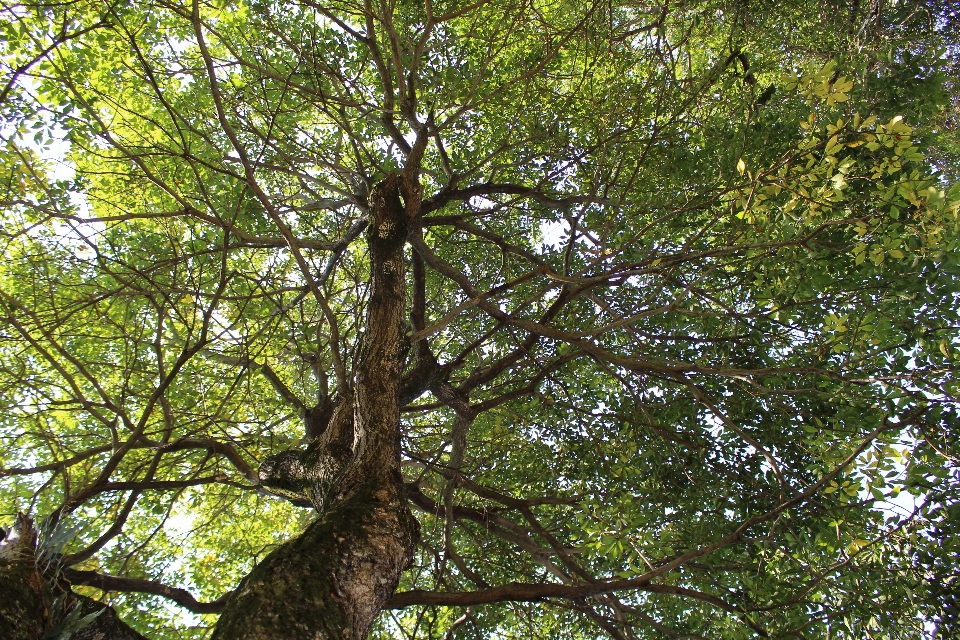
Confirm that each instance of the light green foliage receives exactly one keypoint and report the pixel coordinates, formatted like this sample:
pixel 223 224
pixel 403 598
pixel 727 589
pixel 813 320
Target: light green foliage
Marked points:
pixel 725 236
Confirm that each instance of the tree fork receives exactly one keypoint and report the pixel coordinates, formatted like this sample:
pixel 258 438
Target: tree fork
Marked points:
pixel 334 579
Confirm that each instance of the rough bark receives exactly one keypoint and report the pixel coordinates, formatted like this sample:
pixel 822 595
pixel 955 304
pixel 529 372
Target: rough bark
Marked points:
pixel 333 580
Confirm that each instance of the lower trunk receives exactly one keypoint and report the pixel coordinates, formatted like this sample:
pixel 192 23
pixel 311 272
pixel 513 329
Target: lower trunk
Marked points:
pixel 331 581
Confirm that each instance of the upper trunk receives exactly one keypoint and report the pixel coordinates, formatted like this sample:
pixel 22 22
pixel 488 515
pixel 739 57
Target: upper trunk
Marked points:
pixel 333 580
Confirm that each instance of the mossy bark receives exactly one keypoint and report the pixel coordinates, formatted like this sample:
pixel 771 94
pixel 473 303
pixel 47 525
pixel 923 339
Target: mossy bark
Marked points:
pixel 333 580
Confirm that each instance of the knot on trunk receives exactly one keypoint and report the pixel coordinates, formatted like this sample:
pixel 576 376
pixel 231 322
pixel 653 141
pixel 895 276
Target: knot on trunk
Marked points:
pixel 311 476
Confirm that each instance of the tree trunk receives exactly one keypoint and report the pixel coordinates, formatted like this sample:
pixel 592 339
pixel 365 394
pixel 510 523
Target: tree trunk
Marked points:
pixel 333 580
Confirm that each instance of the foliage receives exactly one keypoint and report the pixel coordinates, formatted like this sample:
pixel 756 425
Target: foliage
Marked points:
pixel 693 268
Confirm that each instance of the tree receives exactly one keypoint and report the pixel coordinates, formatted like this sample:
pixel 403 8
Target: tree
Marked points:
pixel 649 312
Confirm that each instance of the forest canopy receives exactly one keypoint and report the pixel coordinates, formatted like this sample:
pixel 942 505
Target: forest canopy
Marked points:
pixel 647 312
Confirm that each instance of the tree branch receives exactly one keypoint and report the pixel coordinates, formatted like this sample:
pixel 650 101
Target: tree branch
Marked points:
pixel 487 189
pixel 525 592
pixel 115 583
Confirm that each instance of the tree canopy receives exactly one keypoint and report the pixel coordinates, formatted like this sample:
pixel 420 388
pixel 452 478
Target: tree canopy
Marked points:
pixel 680 334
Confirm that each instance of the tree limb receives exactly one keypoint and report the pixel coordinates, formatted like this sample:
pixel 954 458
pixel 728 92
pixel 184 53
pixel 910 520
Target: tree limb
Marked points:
pixel 116 583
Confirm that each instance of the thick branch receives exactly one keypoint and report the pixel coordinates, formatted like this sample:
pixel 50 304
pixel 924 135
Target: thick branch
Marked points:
pixel 115 583
pixel 224 449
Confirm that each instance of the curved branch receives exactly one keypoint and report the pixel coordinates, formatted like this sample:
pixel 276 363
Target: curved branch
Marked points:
pixel 225 449
pixel 115 583
pixel 158 485
pixel 267 371
pixel 108 535
pixel 525 592
pixel 488 189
